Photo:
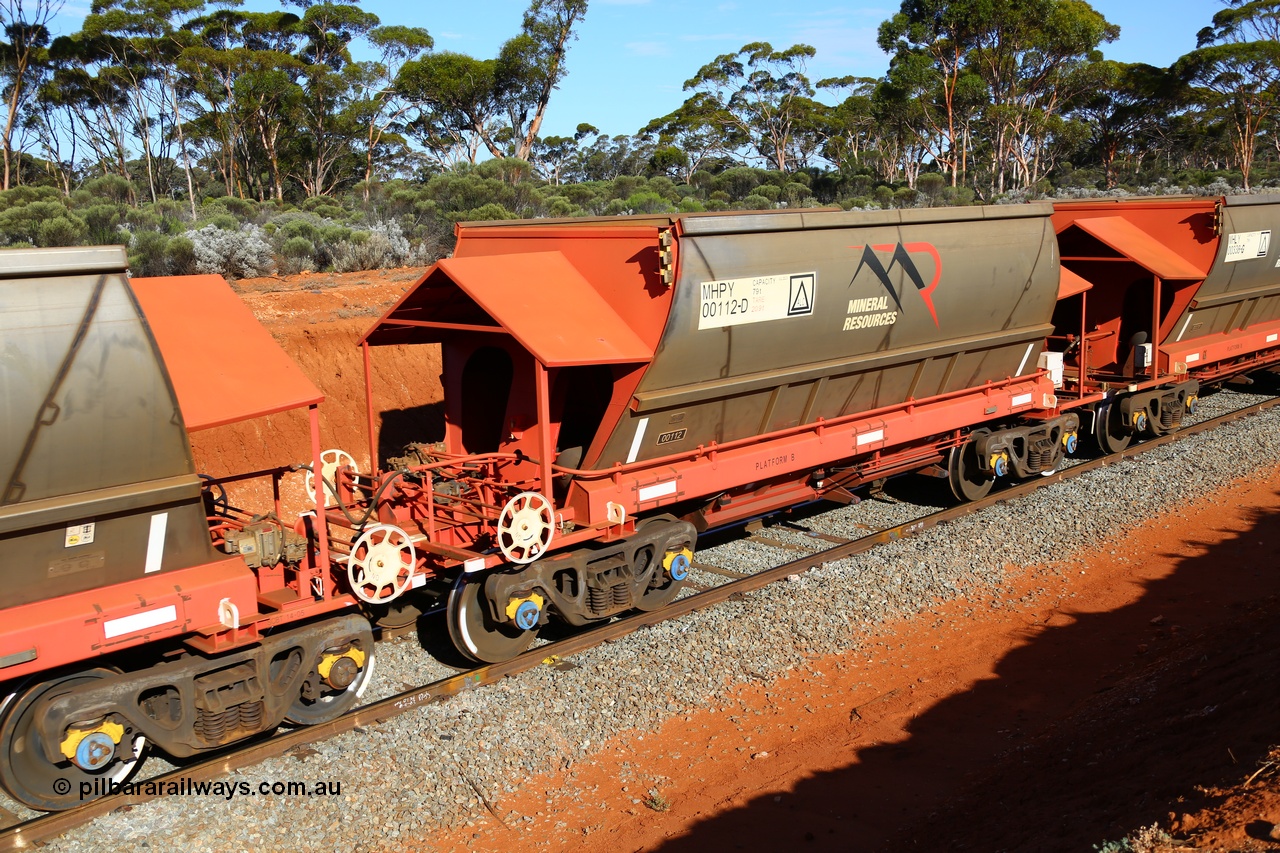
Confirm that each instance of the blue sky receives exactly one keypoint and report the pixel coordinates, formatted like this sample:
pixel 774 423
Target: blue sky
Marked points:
pixel 632 57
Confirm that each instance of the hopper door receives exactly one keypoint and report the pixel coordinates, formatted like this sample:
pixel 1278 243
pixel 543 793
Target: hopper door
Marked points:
pixel 1138 289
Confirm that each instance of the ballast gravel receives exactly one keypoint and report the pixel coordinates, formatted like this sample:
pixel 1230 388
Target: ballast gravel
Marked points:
pixel 456 761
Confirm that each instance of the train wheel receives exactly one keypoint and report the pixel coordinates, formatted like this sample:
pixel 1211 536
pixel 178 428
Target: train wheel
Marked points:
pixel 474 632
pixel 1108 429
pixel 335 684
pixel 30 778
pixel 967 480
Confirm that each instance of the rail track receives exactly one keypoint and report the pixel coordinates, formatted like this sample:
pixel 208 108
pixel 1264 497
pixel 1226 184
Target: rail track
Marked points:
pixel 29 833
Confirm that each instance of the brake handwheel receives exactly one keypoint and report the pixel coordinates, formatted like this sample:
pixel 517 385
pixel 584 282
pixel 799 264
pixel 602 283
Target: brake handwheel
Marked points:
pixel 381 564
pixel 525 527
pixel 331 461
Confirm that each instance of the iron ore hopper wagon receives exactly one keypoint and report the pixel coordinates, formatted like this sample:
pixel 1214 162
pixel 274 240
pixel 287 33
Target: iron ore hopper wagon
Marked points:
pixel 612 388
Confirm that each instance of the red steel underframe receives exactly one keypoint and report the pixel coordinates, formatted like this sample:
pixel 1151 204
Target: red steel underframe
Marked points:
pixel 173 604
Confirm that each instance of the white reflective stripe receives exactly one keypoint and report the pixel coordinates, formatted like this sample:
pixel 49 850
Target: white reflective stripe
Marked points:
pixel 1193 358
pixel 635 442
pixel 658 490
pixel 1026 355
pixel 417 581
pixel 1184 328
pixel 475 564
pixel 155 542
pixel 1021 400
pixel 139 621
pixel 868 437
pixel 1271 339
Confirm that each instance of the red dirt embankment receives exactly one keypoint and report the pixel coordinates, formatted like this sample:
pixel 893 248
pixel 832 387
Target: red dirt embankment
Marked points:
pixel 318 320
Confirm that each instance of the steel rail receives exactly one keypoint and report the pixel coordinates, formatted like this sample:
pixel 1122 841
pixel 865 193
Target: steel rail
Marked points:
pixel 42 828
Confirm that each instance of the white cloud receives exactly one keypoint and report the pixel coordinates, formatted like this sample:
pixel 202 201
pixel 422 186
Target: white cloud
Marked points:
pixel 450 35
pixel 648 48
pixel 625 2
pixel 845 40
pixel 712 37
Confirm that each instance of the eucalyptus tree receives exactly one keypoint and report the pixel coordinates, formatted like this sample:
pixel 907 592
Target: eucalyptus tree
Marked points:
pixel 382 106
pixel 531 66
pixel 850 129
pixel 327 78
pixel 499 104
pixel 696 129
pixel 1122 109
pixel 554 156
pixel 903 132
pixel 137 43
pixel 1236 69
pixel 243 72
pixel 457 108
pixel 930 42
pixel 23 63
pixel 763 101
pixel 1033 57
pixel 90 107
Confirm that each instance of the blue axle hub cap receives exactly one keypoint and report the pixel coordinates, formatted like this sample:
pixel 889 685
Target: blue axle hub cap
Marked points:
pixel 95 750
pixel 527 615
pixel 679 567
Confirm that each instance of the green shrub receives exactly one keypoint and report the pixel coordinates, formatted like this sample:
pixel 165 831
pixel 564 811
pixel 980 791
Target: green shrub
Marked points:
pixel 647 201
pixel 22 222
pixel 487 212
pixel 147 253
pixel 238 207
pixel 142 219
pixel 561 206
pixel 772 192
pixel 737 182
pixel 66 230
pixel 180 256
pixel 905 197
pixel 225 221
pixel 103 222
pixel 296 255
pixel 22 195
pixel 111 188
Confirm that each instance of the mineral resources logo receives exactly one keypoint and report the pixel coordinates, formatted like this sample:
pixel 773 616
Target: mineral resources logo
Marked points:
pixel 872 312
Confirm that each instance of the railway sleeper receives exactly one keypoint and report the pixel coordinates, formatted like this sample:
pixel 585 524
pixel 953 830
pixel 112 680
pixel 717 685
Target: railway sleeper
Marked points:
pixel 194 704
pixel 586 585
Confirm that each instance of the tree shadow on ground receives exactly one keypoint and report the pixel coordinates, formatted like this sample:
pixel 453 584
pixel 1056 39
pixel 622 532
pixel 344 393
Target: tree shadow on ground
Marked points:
pixel 1086 732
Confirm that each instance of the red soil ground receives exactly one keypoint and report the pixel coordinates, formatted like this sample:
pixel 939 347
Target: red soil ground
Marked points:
pixel 1135 687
